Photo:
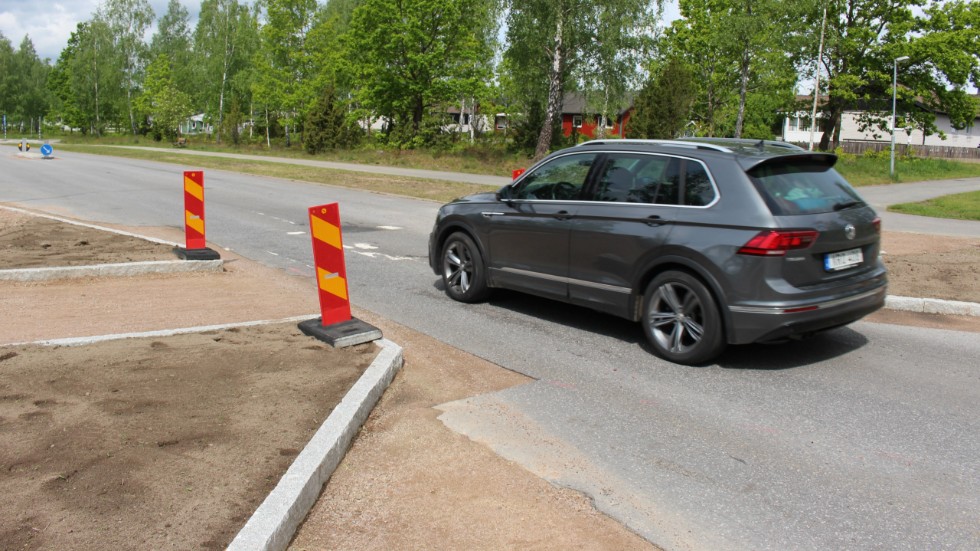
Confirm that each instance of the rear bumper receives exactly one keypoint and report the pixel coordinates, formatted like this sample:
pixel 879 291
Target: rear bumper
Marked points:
pixel 774 323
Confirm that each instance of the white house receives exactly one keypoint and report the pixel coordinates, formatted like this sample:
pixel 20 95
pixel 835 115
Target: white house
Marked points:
pixel 796 129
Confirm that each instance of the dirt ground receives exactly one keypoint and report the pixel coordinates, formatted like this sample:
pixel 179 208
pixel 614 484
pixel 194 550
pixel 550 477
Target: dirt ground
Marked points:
pixel 172 442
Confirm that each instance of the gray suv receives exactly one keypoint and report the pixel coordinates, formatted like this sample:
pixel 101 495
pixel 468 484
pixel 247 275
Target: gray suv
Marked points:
pixel 704 242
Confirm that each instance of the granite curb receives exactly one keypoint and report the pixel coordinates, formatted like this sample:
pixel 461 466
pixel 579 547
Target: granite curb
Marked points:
pixel 274 523
pixel 122 269
pixel 932 306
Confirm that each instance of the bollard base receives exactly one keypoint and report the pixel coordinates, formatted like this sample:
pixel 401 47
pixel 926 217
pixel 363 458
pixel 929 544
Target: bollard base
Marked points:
pixel 343 334
pixel 197 254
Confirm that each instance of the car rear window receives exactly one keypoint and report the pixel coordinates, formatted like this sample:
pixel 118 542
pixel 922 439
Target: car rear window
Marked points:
pixel 799 187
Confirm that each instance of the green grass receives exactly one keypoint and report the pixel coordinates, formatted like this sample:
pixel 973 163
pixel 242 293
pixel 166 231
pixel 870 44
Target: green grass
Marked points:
pixel 872 170
pixel 435 190
pixel 476 159
pixel 962 206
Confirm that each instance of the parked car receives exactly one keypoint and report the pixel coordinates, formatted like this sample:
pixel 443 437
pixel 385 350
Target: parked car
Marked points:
pixel 705 242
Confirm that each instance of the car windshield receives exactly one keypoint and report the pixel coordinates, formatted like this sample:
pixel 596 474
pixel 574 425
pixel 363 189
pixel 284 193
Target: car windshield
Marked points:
pixel 803 188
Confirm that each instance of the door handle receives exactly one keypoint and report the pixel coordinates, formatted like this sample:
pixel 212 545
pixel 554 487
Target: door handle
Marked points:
pixel 654 220
pixel 562 215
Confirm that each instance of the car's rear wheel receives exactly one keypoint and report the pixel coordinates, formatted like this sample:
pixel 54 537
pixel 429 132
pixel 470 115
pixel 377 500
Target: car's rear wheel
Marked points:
pixel 681 319
pixel 463 271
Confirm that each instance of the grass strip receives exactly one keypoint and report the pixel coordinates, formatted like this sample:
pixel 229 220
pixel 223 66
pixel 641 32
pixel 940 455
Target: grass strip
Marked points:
pixel 961 206
pixel 434 190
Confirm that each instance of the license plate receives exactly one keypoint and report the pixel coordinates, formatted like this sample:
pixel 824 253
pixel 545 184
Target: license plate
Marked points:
pixel 833 262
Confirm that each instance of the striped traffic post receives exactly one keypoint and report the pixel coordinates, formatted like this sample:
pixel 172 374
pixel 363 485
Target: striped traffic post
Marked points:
pixel 328 255
pixel 196 248
pixel 335 325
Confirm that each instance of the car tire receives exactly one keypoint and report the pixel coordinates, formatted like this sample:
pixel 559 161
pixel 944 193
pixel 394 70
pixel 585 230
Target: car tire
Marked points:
pixel 681 319
pixel 463 272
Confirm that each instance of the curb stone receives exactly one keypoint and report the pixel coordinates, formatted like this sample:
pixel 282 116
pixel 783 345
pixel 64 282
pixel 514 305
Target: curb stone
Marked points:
pixel 121 269
pixel 932 306
pixel 274 523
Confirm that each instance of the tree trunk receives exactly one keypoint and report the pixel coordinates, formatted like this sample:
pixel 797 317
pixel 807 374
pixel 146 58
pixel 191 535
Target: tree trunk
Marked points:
pixel 742 91
pixel 553 110
pixel 830 128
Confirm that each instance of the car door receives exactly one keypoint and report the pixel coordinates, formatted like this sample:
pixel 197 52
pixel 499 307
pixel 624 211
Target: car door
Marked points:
pixel 528 236
pixel 624 222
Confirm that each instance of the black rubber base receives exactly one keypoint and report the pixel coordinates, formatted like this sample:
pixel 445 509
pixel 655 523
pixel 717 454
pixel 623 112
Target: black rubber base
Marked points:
pixel 196 254
pixel 343 334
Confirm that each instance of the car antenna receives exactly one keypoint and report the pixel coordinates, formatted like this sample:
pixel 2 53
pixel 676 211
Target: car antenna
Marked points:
pixel 761 144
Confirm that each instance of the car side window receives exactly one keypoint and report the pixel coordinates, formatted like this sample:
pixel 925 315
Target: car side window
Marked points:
pixel 698 190
pixel 636 178
pixel 560 179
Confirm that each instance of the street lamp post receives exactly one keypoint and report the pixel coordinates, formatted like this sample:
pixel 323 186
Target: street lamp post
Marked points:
pixel 894 90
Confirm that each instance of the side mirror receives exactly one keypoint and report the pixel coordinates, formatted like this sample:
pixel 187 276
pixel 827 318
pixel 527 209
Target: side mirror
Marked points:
pixel 504 193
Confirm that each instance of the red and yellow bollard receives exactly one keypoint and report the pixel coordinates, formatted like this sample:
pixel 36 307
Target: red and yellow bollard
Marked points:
pixel 194 238
pixel 335 325
pixel 328 255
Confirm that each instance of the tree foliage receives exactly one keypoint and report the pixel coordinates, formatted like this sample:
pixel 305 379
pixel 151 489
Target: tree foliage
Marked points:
pixel 408 57
pixel 742 62
pixel 128 21
pixel 161 102
pixel 865 37
pixel 559 45
pixel 225 42
pixel 23 85
pixel 328 126
pixel 662 108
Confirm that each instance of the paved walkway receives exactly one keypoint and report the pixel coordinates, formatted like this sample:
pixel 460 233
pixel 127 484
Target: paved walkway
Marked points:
pixel 882 196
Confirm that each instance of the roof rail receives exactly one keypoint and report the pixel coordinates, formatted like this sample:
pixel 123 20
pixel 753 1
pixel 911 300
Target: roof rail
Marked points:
pixel 672 143
pixel 747 142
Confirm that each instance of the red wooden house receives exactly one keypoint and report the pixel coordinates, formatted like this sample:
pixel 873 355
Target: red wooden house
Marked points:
pixel 578 117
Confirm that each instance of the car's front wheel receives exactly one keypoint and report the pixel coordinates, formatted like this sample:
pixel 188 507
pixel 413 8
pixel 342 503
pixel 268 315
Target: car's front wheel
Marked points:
pixel 681 319
pixel 463 271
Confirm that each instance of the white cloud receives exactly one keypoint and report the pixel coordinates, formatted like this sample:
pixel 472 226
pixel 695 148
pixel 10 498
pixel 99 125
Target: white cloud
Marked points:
pixel 50 24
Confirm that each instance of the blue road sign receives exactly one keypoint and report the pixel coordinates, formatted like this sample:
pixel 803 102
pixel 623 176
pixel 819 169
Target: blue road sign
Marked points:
pixel 46 150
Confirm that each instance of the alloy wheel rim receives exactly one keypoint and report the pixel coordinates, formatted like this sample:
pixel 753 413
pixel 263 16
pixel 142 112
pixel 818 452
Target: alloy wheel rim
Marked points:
pixel 676 318
pixel 458 267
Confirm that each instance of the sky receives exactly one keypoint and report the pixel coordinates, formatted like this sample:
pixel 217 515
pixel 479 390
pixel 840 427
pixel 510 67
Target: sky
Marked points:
pixel 49 23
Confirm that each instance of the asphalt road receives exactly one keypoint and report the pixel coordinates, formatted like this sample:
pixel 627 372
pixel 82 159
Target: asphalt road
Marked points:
pixel 866 437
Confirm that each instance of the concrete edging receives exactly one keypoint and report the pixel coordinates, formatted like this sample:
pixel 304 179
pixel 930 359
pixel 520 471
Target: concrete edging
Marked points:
pixel 932 306
pixel 120 270
pixel 274 523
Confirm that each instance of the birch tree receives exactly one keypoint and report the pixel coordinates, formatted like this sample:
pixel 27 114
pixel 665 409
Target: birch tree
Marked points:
pixel 225 41
pixel 128 21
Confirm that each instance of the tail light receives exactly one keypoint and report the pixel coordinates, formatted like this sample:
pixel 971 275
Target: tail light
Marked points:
pixel 776 243
pixel 877 224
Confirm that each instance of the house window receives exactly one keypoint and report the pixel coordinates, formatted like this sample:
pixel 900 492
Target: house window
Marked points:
pixel 576 121
pixel 798 124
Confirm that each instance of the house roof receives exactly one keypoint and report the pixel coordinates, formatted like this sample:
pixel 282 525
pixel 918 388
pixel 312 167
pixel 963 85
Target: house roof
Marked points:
pixel 575 103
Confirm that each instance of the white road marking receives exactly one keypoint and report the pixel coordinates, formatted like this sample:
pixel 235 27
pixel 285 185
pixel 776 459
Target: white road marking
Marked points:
pixel 295 232
pixel 389 227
